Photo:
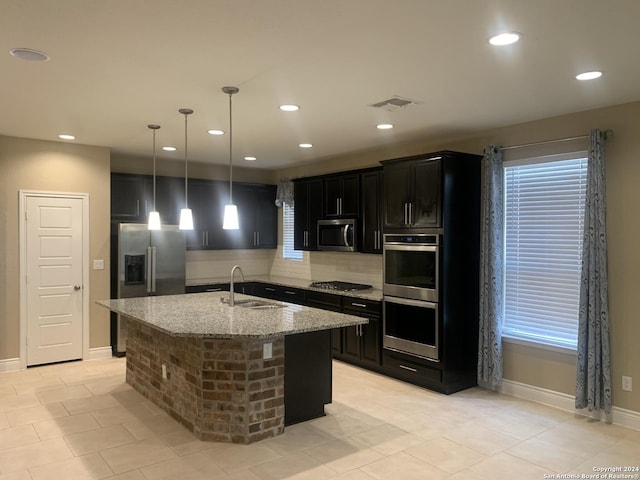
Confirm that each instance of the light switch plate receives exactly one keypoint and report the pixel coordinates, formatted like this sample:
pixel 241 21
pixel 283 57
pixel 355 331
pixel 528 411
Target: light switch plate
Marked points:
pixel 98 264
pixel 267 351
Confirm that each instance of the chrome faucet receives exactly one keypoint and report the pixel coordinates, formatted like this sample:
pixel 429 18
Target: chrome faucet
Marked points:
pixel 231 289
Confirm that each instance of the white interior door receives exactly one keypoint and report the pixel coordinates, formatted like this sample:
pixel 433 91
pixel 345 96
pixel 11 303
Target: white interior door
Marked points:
pixel 54 279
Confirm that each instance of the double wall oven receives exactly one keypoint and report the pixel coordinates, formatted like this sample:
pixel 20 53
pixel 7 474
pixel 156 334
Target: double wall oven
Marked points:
pixel 411 294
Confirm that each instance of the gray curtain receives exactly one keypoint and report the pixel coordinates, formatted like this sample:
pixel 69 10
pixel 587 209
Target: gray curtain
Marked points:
pixel 284 193
pixel 491 270
pixel 593 378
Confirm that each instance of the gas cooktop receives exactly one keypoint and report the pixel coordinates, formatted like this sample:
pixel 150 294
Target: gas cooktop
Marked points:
pixel 340 286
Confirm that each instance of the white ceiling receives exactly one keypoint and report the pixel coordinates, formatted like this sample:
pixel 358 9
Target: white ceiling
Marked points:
pixel 118 65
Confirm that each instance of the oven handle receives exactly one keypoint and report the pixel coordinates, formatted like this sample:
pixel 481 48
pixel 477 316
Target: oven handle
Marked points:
pixel 411 248
pixel 344 235
pixel 411 303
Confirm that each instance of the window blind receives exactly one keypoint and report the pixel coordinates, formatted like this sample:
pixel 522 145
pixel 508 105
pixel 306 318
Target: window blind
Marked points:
pixel 287 234
pixel 544 218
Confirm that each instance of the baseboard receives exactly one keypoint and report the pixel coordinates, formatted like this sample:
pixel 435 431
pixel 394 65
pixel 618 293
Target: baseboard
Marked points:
pixel 99 353
pixel 9 365
pixel 563 401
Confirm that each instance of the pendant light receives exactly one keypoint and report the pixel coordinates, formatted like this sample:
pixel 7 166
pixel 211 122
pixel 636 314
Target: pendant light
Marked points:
pixel 186 218
pixel 230 221
pixel 154 216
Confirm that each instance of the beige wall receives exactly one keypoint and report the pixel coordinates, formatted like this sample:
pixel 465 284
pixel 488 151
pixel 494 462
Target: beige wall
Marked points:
pixel 58 167
pixel 532 366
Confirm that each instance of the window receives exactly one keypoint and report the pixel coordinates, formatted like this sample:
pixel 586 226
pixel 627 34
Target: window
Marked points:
pixel 287 234
pixel 544 213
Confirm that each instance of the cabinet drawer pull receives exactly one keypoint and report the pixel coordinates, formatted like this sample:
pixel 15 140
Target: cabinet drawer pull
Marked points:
pixel 269 289
pixel 289 292
pixel 414 370
pixel 213 290
pixel 362 305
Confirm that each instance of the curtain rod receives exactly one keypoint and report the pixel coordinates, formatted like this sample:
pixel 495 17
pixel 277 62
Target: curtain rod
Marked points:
pixel 607 134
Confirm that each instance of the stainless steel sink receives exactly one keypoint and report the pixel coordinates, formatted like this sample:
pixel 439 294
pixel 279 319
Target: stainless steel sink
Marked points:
pixel 258 304
pixel 254 304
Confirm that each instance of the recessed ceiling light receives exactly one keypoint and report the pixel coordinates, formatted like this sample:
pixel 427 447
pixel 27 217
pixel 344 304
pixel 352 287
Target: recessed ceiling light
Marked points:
pixel 250 159
pixel 506 38
pixel 169 149
pixel 29 54
pixel 589 75
pixel 305 145
pixel 384 126
pixel 215 132
pixel 289 108
pixel 65 136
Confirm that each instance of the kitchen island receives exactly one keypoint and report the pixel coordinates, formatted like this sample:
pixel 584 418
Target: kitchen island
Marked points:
pixel 230 373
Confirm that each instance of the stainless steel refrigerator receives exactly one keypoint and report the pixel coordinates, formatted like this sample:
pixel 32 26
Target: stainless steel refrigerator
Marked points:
pixel 150 262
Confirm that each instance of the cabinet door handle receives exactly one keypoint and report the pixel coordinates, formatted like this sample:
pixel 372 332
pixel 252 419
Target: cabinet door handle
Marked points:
pixel 358 305
pixel 341 213
pixel 414 370
pixel 410 213
pixel 257 239
pixel 405 212
pixel 337 206
pixel 137 208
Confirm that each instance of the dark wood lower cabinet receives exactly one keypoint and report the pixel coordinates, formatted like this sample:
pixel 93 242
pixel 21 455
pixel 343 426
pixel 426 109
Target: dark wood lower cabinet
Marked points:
pixel 307 375
pixel 360 345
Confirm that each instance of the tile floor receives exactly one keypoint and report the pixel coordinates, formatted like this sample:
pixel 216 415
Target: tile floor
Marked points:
pixel 81 421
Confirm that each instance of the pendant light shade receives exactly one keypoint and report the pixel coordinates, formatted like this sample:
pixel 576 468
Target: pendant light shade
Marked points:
pixel 230 221
pixel 154 215
pixel 186 217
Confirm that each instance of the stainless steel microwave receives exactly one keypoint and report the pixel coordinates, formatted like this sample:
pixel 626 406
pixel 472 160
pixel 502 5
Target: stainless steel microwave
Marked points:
pixel 337 235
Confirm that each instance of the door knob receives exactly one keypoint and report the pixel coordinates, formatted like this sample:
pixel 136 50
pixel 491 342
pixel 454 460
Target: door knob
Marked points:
pixel 77 287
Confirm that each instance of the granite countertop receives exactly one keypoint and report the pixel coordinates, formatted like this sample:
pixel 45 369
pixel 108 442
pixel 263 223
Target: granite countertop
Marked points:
pixel 370 294
pixel 204 315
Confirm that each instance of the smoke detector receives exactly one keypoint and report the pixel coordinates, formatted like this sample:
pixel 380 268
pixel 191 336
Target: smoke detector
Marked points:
pixel 395 103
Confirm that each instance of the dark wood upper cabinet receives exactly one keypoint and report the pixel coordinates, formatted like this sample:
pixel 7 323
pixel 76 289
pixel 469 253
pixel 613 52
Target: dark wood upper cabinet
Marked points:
pixel 257 214
pixel 132 200
pixel 307 212
pixel 341 196
pixel 131 197
pixel 412 193
pixel 370 219
pixel 170 199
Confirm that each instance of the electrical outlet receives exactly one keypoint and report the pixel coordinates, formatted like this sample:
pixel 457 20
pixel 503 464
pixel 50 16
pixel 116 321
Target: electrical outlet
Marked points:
pixel 165 375
pixel 98 264
pixel 626 384
pixel 267 351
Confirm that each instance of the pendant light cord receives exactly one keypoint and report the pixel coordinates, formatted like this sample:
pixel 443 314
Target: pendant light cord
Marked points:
pixel 153 128
pixel 230 151
pixel 186 112
pixel 186 195
pixel 154 169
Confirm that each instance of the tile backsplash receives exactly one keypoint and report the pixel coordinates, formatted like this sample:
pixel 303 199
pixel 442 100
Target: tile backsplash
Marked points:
pixel 314 266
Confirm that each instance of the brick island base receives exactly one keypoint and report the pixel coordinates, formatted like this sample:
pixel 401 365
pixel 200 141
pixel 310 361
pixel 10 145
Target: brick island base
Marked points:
pixel 222 389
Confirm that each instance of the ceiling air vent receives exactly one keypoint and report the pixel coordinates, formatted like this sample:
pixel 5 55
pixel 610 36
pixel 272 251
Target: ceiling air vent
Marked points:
pixel 395 103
